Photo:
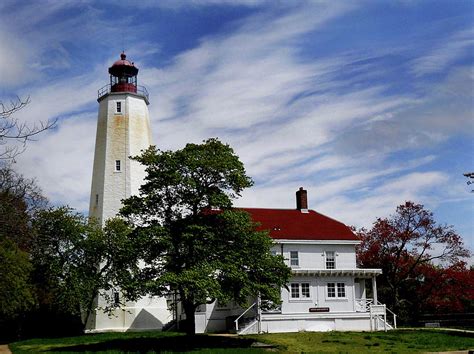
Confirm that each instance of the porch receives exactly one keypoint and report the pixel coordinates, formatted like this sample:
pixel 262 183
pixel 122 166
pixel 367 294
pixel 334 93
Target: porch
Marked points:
pixel 369 317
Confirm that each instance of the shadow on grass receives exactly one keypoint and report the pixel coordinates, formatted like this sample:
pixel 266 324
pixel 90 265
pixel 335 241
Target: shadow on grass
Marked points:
pixel 165 344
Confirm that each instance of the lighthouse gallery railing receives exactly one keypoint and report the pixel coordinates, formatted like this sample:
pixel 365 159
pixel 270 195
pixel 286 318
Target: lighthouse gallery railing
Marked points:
pixel 141 90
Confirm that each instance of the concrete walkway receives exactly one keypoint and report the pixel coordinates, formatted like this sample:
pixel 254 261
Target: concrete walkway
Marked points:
pixel 4 349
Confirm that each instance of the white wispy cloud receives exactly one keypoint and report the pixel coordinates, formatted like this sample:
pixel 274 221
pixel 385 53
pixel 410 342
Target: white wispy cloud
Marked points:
pixel 61 161
pixel 332 123
pixel 450 49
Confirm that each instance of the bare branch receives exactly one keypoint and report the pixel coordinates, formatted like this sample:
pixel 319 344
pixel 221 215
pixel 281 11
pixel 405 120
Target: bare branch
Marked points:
pixel 14 106
pixel 14 134
pixel 470 176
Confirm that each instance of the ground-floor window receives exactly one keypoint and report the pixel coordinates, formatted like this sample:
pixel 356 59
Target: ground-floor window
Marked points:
pixel 300 291
pixel 336 290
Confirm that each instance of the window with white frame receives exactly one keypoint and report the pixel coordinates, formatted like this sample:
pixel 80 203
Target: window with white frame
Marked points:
pixel 118 107
pixel 341 290
pixel 331 290
pixel 294 261
pixel 118 166
pixel 300 291
pixel 330 260
pixel 305 290
pixel 336 290
pixel 295 290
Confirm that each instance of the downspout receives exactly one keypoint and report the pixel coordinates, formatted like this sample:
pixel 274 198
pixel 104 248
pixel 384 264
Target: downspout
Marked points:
pixel 374 289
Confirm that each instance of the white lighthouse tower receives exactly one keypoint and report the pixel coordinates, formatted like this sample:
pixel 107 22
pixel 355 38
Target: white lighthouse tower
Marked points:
pixel 123 130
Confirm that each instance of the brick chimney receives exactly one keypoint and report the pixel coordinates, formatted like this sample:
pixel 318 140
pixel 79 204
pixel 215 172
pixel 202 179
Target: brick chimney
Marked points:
pixel 302 200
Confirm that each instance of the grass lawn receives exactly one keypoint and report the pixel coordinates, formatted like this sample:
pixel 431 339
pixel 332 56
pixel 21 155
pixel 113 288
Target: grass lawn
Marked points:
pixel 400 341
pixel 137 342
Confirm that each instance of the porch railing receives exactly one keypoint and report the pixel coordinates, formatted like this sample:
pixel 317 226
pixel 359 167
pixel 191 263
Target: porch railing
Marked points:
pixel 363 305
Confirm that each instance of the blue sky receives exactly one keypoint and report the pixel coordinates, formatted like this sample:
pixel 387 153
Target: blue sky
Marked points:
pixel 364 103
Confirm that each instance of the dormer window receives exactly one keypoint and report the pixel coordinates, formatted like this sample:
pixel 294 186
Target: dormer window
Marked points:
pixel 330 260
pixel 294 260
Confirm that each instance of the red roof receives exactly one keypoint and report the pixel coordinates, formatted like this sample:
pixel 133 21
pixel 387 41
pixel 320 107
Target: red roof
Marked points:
pixel 292 224
pixel 122 61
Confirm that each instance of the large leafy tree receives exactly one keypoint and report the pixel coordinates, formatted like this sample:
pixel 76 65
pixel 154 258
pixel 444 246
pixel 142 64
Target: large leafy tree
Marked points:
pixel 443 289
pixel 16 292
pixel 20 199
pixel 74 260
pixel 189 238
pixel 416 254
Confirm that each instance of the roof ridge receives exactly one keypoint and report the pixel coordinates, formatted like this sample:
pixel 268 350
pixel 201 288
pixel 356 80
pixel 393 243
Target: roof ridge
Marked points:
pixel 340 222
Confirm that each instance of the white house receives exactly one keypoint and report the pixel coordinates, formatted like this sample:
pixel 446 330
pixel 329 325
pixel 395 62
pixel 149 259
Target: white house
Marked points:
pixel 326 292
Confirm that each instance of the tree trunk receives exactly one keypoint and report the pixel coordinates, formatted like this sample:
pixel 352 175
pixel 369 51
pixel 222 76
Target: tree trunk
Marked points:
pixel 189 310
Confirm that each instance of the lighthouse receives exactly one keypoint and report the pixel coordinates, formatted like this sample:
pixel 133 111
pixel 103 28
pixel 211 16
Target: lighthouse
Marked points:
pixel 123 130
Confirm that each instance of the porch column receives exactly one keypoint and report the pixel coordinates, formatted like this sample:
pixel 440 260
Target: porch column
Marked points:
pixel 259 313
pixel 374 289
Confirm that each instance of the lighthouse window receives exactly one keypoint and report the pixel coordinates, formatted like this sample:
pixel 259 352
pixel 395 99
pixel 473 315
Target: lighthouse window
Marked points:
pixel 119 107
pixel 117 166
pixel 116 298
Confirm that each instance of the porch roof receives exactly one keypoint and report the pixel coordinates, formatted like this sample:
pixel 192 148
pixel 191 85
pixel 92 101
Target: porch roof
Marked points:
pixel 360 273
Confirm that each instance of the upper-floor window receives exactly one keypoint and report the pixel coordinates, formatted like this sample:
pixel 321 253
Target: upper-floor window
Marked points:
pixel 330 260
pixel 118 107
pixel 336 290
pixel 118 166
pixel 300 291
pixel 294 260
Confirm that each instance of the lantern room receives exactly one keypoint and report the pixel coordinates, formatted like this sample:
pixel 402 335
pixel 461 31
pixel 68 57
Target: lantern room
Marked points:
pixel 123 75
pixel 123 79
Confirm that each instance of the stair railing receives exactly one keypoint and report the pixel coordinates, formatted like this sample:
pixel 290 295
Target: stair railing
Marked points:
pixel 393 314
pixel 243 313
